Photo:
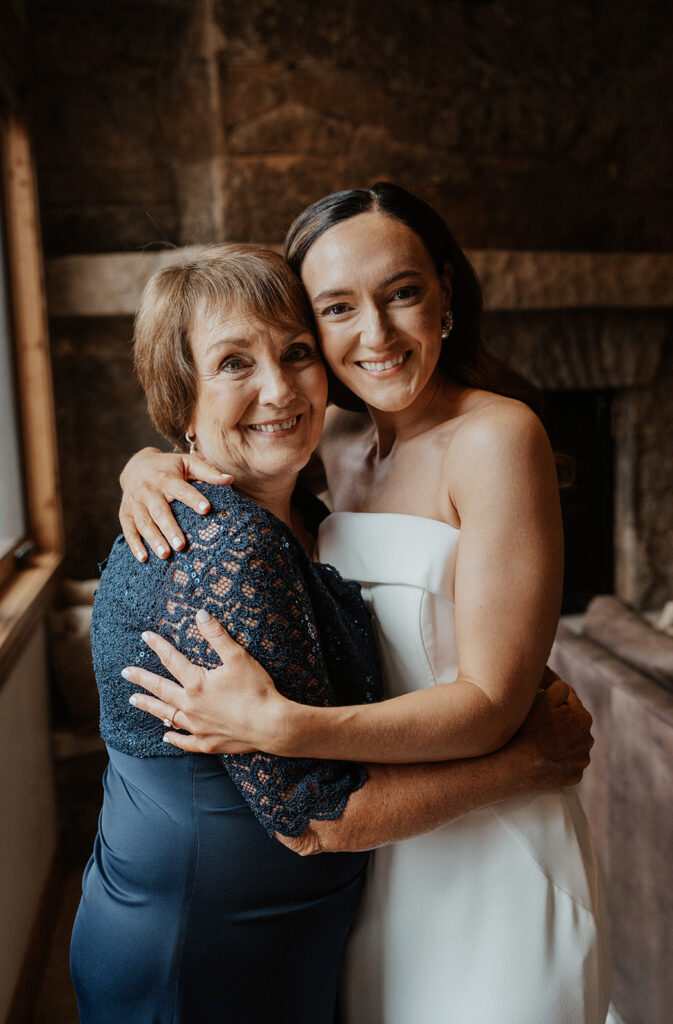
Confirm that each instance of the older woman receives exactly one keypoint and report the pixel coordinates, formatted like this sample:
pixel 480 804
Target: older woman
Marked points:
pixel 446 509
pixel 192 911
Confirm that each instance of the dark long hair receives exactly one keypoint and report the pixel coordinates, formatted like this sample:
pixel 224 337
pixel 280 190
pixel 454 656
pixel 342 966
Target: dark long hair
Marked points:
pixel 464 357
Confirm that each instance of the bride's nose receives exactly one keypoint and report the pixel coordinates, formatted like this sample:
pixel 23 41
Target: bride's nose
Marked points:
pixel 375 326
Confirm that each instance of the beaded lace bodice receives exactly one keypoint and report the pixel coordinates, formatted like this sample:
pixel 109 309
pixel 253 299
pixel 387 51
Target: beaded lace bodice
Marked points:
pixel 306 625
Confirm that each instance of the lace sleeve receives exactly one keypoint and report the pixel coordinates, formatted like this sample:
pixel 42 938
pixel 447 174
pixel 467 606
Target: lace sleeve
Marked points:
pixel 245 569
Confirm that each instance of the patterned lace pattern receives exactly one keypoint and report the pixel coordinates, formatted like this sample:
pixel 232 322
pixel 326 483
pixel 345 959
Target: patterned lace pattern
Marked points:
pixel 301 621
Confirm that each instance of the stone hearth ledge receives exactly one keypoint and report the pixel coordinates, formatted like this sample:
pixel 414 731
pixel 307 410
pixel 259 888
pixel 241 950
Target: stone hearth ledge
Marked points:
pixel 110 284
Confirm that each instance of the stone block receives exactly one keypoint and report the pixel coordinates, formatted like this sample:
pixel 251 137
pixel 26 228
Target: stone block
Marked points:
pixel 567 349
pixel 265 194
pixel 290 128
pixel 101 420
pixel 108 228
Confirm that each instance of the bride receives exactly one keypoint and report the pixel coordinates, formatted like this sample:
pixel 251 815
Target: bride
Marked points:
pixel 445 507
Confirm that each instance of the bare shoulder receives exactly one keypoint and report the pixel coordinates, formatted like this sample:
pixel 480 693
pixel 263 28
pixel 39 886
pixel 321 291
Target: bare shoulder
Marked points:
pixel 500 427
pixel 499 446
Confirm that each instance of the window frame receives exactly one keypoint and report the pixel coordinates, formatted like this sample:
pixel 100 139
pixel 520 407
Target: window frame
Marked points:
pixel 27 583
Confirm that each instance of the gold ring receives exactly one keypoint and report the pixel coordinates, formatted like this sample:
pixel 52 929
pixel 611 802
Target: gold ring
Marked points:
pixel 172 724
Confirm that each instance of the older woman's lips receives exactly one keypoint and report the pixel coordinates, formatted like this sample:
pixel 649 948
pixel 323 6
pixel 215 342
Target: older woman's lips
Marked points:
pixel 275 428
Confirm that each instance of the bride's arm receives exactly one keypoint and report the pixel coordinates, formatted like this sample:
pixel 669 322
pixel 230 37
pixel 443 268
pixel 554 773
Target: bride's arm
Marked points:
pixel 398 801
pixel 507 600
pixel 152 479
pixel 508 578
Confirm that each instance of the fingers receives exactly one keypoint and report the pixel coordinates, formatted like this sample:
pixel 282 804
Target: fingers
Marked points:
pixel 164 523
pixel 214 632
pixel 153 706
pixel 191 676
pixel 558 692
pixel 143 523
pixel 164 689
pixel 132 537
pixel 548 677
pixel 197 468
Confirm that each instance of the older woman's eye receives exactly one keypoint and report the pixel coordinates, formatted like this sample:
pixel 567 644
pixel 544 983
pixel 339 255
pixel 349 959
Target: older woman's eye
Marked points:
pixel 232 365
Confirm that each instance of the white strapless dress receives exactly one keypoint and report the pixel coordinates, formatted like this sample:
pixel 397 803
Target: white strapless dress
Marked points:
pixel 498 917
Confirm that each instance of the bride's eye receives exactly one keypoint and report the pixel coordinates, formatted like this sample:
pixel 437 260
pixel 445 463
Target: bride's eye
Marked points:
pixel 336 309
pixel 409 291
pixel 299 352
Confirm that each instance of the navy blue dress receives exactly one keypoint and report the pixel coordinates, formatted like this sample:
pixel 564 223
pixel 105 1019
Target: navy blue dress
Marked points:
pixel 191 912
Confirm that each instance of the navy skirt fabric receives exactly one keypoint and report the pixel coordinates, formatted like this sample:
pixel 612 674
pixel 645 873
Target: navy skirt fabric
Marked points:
pixel 192 914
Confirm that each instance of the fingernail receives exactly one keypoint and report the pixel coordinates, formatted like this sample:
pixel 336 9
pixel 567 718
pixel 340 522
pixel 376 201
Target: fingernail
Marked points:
pixel 164 738
pixel 203 505
pixel 126 672
pixel 141 555
pixel 176 542
pixel 227 476
pixel 202 615
pixel 162 549
pixel 145 636
pixel 132 700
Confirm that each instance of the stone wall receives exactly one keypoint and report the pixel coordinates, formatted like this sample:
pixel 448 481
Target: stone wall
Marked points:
pixel 528 125
pixel 179 121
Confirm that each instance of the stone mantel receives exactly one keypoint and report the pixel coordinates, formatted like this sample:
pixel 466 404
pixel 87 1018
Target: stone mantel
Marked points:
pixel 110 284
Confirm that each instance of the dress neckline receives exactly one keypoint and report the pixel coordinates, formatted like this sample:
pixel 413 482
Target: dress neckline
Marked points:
pixel 395 515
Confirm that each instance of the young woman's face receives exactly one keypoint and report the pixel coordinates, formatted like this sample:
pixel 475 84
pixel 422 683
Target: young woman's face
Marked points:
pixel 378 303
pixel 261 396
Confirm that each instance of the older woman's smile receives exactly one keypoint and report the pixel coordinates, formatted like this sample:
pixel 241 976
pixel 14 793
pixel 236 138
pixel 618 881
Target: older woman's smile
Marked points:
pixel 261 396
pixel 276 426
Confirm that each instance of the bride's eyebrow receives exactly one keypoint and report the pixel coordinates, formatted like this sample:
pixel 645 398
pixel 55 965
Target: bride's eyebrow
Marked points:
pixel 398 277
pixel 335 293
pixel 331 293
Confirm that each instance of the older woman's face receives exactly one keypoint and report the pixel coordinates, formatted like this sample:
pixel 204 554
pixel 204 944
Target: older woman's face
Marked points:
pixel 261 395
pixel 378 302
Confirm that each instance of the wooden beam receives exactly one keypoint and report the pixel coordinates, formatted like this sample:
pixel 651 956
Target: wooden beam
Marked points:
pixel 23 600
pixel 29 317
pixel 111 284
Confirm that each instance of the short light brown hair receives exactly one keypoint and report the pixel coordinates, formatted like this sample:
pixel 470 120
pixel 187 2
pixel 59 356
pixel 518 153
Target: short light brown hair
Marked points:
pixel 244 279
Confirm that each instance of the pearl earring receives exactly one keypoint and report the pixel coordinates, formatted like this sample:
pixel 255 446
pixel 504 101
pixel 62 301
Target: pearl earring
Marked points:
pixel 447 324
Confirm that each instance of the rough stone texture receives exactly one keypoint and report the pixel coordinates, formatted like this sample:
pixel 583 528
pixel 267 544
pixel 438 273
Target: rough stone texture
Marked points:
pixel 644 499
pixel 529 126
pixel 111 285
pixel 101 420
pixel 581 349
pixel 124 111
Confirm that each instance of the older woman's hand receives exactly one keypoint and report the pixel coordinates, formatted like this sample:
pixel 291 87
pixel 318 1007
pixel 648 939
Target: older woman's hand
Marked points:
pixel 150 480
pixel 232 709
pixel 555 740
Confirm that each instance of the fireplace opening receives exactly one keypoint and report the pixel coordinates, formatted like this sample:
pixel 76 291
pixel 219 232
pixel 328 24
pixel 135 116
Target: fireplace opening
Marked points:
pixel 579 424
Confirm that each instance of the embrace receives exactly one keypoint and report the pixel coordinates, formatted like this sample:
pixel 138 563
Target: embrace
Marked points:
pixel 369 677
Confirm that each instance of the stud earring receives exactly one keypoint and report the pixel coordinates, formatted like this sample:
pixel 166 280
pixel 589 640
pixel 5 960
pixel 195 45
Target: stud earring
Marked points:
pixel 191 441
pixel 447 324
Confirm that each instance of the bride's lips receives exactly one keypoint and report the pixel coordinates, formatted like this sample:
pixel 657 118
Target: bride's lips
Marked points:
pixel 384 367
pixel 276 428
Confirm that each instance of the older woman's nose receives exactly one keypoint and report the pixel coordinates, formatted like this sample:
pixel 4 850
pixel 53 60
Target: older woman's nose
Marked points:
pixel 276 387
